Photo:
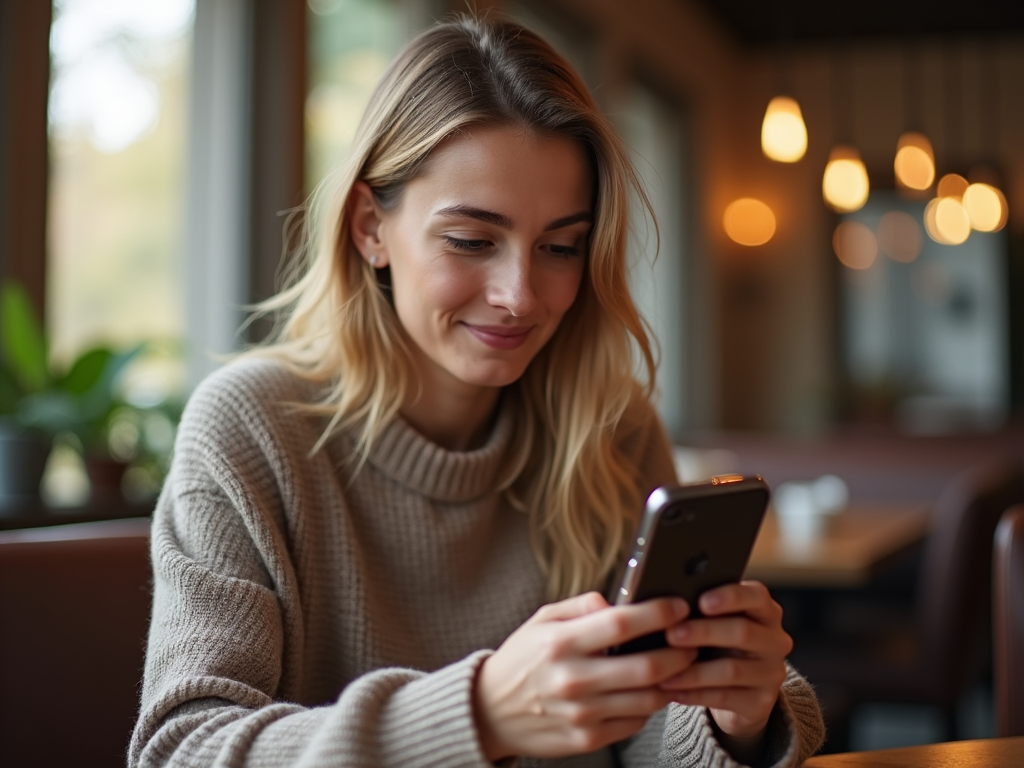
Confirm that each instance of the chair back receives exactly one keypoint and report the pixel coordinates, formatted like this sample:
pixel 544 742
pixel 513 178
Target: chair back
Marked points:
pixel 954 591
pixel 1008 622
pixel 74 611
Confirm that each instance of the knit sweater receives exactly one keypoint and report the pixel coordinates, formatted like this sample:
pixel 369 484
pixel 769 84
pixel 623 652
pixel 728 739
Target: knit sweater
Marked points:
pixel 309 614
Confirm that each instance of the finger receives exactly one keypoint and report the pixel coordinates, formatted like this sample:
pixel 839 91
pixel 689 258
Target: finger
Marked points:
pixel 600 708
pixel 729 672
pixel 749 597
pixel 619 624
pixel 604 674
pixel 735 633
pixel 570 608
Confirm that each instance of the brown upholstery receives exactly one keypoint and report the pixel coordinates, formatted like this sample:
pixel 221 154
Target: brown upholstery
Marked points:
pixel 74 611
pixel 1008 622
pixel 932 658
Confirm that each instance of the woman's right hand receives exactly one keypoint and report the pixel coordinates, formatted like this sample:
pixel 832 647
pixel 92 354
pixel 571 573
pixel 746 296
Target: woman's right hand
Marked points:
pixel 549 690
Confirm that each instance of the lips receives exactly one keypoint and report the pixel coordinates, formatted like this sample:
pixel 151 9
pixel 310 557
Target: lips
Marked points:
pixel 500 336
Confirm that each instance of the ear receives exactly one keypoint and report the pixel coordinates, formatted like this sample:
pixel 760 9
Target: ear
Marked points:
pixel 364 219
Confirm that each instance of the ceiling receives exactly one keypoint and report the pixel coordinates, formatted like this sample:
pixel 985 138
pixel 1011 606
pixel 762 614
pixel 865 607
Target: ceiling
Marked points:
pixel 767 22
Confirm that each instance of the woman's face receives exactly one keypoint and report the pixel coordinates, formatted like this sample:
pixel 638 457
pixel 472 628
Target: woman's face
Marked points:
pixel 486 250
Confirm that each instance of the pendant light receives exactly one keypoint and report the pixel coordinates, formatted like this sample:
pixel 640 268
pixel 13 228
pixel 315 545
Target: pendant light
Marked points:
pixel 915 159
pixel 984 201
pixel 783 133
pixel 915 162
pixel 844 185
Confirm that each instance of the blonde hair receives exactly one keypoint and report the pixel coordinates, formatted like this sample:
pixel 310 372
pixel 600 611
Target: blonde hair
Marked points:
pixel 337 325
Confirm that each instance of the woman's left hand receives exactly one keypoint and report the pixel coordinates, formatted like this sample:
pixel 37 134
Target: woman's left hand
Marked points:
pixel 741 686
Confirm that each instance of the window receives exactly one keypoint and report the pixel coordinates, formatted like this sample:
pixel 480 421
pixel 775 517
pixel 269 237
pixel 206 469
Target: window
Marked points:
pixel 653 131
pixel 926 326
pixel 350 45
pixel 117 134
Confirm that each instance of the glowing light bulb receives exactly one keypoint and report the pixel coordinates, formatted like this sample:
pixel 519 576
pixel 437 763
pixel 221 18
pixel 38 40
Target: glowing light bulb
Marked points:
pixel 952 221
pixel 951 185
pixel 845 183
pixel 783 133
pixel 915 162
pixel 899 236
pixel 855 245
pixel 748 221
pixel 984 207
pixel 929 222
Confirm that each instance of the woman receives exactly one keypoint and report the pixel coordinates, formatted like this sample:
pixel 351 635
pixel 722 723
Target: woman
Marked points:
pixel 385 533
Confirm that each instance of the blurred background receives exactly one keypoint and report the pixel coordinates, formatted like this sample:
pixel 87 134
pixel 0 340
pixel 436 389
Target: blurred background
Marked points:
pixel 838 188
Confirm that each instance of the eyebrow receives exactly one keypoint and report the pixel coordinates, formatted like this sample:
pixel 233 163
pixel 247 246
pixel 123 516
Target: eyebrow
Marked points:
pixel 503 221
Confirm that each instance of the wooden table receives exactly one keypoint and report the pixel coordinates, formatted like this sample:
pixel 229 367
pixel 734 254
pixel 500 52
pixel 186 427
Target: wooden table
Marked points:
pixel 983 753
pixel 855 543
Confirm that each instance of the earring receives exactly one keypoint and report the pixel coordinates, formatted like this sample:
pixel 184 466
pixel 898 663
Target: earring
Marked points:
pixel 373 259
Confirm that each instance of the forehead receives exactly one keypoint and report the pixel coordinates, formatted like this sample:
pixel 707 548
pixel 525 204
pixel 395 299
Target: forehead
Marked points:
pixel 500 166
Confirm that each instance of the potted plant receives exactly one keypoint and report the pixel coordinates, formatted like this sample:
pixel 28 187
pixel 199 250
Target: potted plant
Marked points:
pixel 38 403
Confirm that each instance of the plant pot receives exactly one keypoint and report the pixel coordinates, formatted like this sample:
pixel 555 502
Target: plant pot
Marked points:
pixel 23 456
pixel 105 476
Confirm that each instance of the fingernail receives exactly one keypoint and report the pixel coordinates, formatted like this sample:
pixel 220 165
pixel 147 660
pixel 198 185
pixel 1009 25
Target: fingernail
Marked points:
pixel 680 633
pixel 710 602
pixel 681 608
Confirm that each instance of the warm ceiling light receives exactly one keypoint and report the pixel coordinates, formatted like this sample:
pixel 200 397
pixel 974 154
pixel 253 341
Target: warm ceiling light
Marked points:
pixel 929 222
pixel 855 245
pixel 984 207
pixel 899 236
pixel 951 185
pixel 783 133
pixel 915 162
pixel 845 184
pixel 952 221
pixel 749 221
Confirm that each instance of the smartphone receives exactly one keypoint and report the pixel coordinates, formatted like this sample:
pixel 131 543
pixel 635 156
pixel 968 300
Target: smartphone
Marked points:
pixel 691 538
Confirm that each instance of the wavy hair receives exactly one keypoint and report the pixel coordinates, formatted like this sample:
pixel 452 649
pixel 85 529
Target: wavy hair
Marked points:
pixel 336 324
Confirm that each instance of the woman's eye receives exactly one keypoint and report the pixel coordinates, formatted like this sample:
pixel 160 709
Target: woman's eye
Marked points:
pixel 563 251
pixel 465 245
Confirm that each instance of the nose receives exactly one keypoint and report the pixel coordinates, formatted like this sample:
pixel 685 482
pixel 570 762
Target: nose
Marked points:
pixel 511 285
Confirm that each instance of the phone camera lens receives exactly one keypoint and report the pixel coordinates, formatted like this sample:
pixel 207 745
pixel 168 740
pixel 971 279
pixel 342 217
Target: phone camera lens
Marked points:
pixel 672 514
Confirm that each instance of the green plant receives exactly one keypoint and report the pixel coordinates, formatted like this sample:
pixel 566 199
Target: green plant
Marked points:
pixel 82 400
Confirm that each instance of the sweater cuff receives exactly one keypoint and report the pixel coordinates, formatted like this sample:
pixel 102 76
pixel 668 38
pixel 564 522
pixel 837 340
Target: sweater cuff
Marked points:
pixel 429 721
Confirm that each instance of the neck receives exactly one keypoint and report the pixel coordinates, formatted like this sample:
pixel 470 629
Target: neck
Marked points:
pixel 456 418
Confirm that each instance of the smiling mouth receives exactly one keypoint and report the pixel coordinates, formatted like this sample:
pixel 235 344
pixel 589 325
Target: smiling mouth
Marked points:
pixel 500 337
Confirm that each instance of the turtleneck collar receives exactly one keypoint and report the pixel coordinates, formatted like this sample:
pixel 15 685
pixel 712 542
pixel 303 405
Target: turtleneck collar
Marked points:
pixel 406 456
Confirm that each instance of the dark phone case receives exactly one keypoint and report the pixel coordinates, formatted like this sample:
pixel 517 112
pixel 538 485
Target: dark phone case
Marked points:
pixel 692 538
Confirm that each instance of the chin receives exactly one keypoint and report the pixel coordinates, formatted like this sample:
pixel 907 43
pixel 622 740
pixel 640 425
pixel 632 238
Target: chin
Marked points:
pixel 493 376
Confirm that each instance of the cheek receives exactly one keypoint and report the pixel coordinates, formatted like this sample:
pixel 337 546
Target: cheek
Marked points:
pixel 561 290
pixel 428 288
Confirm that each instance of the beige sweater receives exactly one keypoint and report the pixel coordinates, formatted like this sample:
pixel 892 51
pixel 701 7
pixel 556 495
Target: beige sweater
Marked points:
pixel 306 616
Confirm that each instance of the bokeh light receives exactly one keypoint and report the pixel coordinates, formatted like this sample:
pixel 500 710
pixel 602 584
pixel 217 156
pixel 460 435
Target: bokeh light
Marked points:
pixel 855 245
pixel 899 236
pixel 952 185
pixel 845 184
pixel 749 221
pixel 951 222
pixel 984 207
pixel 783 133
pixel 915 162
pixel 929 222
